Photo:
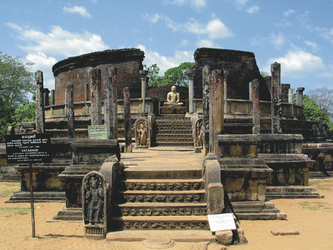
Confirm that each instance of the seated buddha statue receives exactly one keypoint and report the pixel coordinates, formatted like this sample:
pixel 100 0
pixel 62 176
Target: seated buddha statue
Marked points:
pixel 173 98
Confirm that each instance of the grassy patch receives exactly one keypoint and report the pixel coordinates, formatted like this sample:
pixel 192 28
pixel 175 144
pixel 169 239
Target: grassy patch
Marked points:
pixel 315 206
pixel 321 184
pixel 15 210
pixel 8 189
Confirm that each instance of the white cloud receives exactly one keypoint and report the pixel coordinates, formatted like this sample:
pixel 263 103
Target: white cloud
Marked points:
pixel 59 41
pixel 77 9
pixel 253 10
pixel 184 42
pixel 288 12
pixel 43 63
pixel 240 3
pixel 194 3
pixel 163 62
pixel 215 28
pixel 311 44
pixel 204 43
pixel 199 3
pixel 277 40
pixel 298 63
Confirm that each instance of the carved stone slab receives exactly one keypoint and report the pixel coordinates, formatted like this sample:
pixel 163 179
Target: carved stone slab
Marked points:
pixel 94 205
pixel 142 133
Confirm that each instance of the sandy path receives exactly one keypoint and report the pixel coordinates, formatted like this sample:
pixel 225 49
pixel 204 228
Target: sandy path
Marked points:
pixel 311 217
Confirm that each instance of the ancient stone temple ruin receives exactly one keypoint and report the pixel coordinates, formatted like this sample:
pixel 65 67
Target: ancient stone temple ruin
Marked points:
pixel 252 139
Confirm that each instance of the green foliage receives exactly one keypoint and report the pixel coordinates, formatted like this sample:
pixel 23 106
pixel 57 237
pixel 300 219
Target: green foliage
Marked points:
pixel 312 112
pixel 16 81
pixel 323 98
pixel 177 76
pixel 174 76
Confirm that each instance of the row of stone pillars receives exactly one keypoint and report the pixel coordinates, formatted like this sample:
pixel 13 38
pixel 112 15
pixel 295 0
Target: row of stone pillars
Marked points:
pixel 110 105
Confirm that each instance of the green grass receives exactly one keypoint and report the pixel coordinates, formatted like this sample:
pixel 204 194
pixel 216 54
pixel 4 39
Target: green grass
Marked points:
pixel 321 184
pixel 8 189
pixel 315 206
pixel 15 210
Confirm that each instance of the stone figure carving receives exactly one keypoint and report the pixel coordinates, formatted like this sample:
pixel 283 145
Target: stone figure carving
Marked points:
pixel 94 192
pixel 199 133
pixel 142 131
pixel 95 197
pixel 142 135
pixel 173 97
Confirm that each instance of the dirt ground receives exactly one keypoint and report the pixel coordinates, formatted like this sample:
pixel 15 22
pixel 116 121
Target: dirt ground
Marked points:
pixel 311 217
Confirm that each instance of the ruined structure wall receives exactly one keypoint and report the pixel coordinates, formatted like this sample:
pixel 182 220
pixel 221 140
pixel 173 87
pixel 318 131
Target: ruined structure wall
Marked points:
pixel 242 69
pixel 76 70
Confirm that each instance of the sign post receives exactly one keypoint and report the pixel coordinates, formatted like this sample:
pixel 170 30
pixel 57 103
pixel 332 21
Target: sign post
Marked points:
pixel 29 148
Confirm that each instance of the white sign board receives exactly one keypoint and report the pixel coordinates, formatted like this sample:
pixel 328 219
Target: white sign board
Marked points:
pixel 219 222
pixel 97 132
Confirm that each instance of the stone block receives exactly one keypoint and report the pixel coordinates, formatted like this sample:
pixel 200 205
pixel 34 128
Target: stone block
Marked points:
pixel 215 198
pixel 224 237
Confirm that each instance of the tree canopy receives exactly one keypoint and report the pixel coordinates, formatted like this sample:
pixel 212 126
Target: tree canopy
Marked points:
pixel 174 76
pixel 16 81
pixel 323 98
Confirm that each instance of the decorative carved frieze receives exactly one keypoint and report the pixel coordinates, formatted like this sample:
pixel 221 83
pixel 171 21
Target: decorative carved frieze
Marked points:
pixel 186 198
pixel 164 186
pixel 162 211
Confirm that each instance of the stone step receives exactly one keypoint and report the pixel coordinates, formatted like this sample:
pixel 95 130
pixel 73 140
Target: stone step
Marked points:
pixel 257 210
pixel 291 192
pixel 174 143
pixel 293 196
pixel 47 196
pixel 253 207
pixel 162 184
pixel 179 173
pixel 169 131
pixel 195 196
pixel 160 222
pixel 160 209
pixel 68 214
pixel 258 216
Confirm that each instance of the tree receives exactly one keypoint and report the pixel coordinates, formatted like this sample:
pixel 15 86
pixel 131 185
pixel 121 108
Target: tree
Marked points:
pixel 323 98
pixel 174 76
pixel 16 81
pixel 177 75
pixel 154 78
pixel 312 112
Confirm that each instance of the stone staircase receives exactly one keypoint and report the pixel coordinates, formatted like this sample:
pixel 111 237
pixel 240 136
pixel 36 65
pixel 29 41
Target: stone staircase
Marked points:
pixel 172 131
pixel 161 199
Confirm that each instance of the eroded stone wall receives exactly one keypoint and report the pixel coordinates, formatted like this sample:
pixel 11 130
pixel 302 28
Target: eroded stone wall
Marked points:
pixel 76 70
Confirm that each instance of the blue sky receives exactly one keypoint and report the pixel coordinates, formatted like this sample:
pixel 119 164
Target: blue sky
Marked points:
pixel 296 33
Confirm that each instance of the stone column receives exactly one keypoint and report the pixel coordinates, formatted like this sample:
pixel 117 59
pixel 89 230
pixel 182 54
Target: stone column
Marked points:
pixel 291 100
pixel 143 74
pixel 52 102
pixel 205 107
pixel 291 96
pixel 225 90
pixel 40 115
pixel 46 94
pixel 299 96
pixel 250 91
pixel 190 74
pixel 70 110
pixel 52 97
pixel 114 104
pixel 108 116
pixel 216 108
pixel 96 107
pixel 127 120
pixel 256 106
pixel 86 98
pixel 275 97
